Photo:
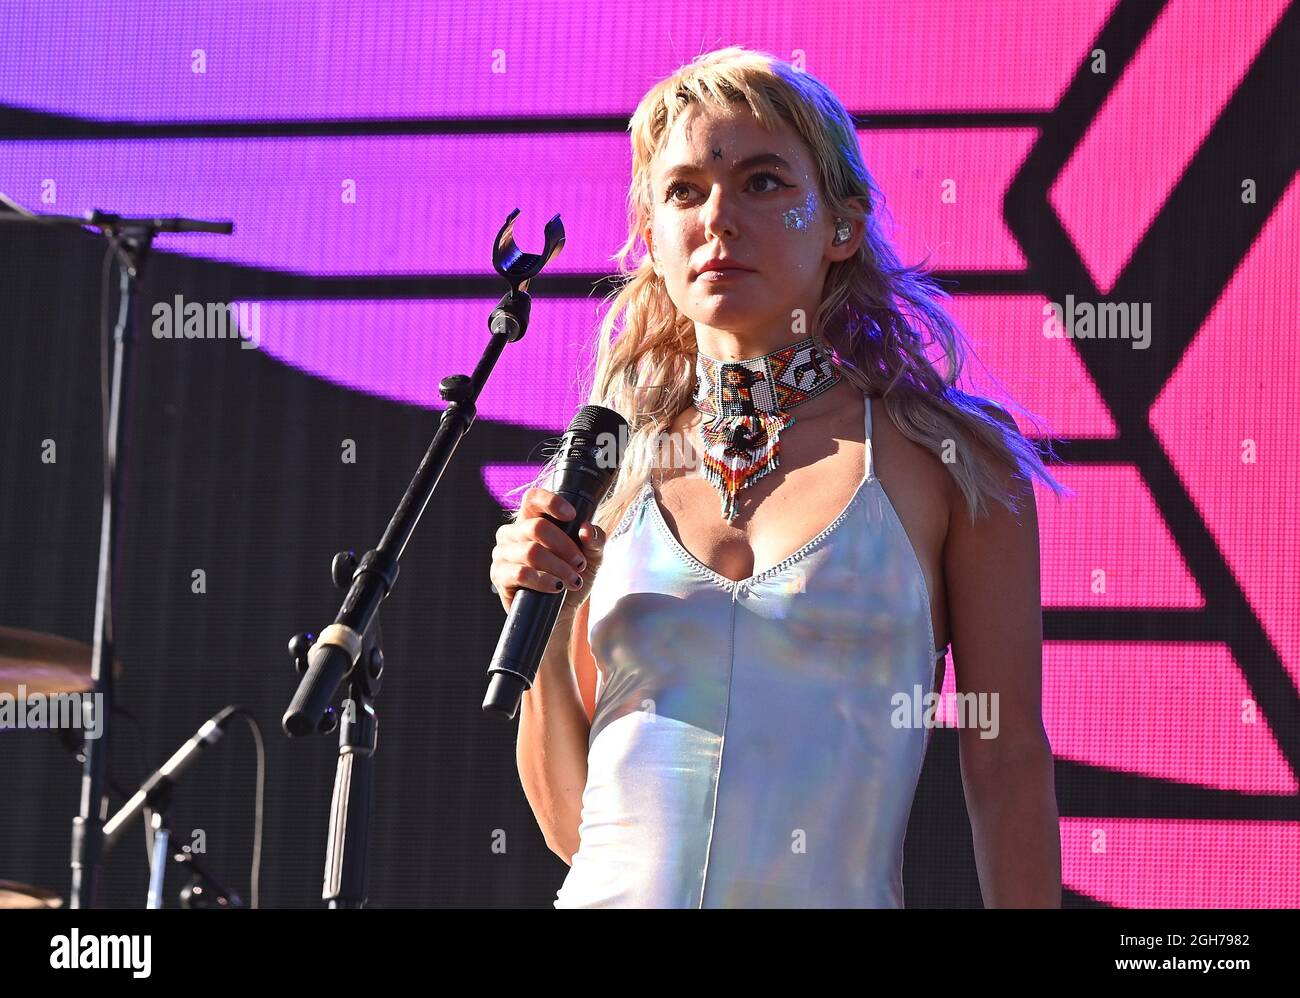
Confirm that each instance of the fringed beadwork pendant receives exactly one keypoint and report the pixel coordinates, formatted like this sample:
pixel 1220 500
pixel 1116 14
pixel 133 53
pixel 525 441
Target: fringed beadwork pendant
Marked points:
pixel 745 406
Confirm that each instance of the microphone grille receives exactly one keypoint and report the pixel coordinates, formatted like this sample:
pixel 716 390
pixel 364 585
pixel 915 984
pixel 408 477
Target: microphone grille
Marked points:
pixel 598 419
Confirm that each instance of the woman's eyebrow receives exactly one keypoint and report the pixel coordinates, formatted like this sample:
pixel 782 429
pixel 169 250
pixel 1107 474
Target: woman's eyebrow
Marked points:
pixel 762 159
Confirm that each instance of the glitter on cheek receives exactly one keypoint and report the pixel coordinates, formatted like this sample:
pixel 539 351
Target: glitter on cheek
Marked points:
pixel 798 218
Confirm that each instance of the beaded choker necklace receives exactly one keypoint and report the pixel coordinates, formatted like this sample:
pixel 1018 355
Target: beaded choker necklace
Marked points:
pixel 746 403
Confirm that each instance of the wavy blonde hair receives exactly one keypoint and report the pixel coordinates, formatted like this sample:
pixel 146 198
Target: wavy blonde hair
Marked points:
pixel 879 321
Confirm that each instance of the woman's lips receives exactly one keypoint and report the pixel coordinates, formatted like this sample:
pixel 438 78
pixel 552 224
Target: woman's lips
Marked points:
pixel 725 274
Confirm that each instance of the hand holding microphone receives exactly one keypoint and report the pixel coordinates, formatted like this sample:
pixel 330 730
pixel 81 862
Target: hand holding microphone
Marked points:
pixel 535 553
pixel 534 562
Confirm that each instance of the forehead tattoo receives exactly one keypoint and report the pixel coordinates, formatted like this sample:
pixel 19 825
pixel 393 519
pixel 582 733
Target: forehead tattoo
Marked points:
pixel 717 153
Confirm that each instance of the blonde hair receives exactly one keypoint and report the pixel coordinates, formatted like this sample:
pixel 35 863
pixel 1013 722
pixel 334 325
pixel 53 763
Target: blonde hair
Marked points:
pixel 877 320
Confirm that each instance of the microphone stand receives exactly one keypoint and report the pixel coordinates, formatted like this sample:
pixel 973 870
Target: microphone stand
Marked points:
pixel 204 890
pixel 194 895
pixel 349 648
pixel 162 836
pixel 130 240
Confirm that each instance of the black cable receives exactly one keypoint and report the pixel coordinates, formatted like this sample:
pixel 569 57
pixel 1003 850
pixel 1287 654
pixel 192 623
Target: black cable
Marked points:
pixel 255 872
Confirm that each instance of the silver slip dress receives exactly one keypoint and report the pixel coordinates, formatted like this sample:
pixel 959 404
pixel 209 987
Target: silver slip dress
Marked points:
pixel 745 749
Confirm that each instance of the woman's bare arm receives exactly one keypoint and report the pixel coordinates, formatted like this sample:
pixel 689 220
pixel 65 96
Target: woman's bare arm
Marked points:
pixel 991 572
pixel 551 747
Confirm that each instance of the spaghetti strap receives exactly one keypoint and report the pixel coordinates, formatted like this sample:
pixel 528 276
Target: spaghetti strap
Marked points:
pixel 868 470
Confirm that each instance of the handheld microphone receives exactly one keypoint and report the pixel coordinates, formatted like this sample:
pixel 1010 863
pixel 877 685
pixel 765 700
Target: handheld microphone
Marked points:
pixel 166 775
pixel 590 452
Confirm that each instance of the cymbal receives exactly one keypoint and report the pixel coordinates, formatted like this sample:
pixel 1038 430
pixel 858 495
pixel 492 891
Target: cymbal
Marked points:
pixel 43 663
pixel 16 895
